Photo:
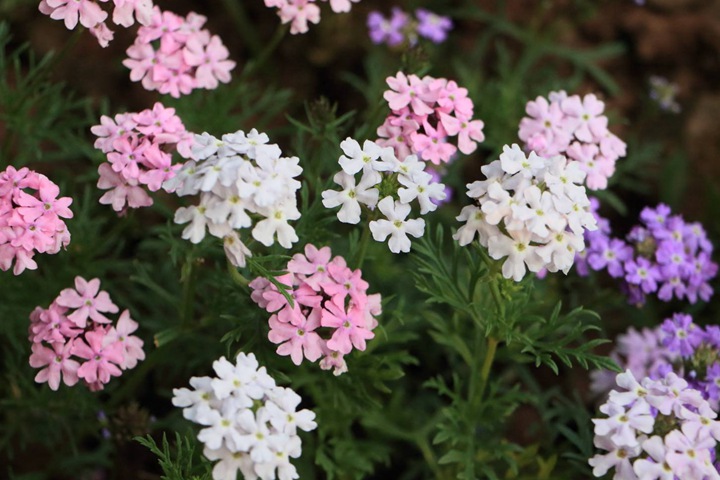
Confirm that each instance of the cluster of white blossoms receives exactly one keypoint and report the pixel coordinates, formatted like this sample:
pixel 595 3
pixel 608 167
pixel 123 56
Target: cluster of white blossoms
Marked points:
pixel 532 210
pixel 387 185
pixel 250 424
pixel 241 179
pixel 656 429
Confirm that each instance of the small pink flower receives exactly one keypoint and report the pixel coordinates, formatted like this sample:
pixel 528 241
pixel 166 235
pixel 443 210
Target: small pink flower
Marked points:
pixel 131 345
pixel 350 327
pixel 88 301
pixel 298 340
pixel 101 361
pixel 57 362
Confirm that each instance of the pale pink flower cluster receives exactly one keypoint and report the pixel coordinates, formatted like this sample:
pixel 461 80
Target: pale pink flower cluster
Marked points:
pixel 139 150
pixel 426 113
pixel 403 184
pixel 175 55
pixel 249 423
pixel 574 127
pixel 92 17
pixel 238 176
pixel 298 13
pixel 656 430
pixel 331 312
pixel 30 218
pixel 72 339
pixel 531 210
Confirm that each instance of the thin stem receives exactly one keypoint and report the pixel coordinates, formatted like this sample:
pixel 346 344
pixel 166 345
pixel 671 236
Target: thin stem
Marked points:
pixel 188 303
pixel 429 456
pixel 265 54
pixel 237 277
pixel 364 240
pixel 244 26
pixel 492 344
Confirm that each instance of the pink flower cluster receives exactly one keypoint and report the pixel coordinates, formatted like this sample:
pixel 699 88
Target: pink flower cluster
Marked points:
pixel 576 128
pixel 72 339
pixel 425 113
pixel 138 148
pixel 175 55
pixel 299 12
pixel 331 311
pixel 30 218
pixel 92 17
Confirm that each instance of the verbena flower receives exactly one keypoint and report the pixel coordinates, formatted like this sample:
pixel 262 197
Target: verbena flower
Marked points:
pixel 89 14
pixel 175 55
pixel 677 345
pixel 532 211
pixel 238 176
pixel 249 424
pixel 72 340
pixel 426 114
pixel 31 218
pixel 664 93
pixel 656 429
pixel 574 127
pixel 401 27
pixel 403 184
pixel 331 314
pixel 139 149
pixel 298 13
pixel 663 256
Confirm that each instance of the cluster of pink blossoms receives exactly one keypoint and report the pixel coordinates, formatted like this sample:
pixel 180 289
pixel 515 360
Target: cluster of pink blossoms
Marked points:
pixel 576 128
pixel 139 150
pixel 30 218
pixel 425 113
pixel 72 339
pixel 656 430
pixel 92 17
pixel 331 311
pixel 298 13
pixel 175 55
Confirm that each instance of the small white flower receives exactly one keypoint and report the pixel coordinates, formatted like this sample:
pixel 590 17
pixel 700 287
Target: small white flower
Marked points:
pixel 396 226
pixel 420 186
pixel 365 158
pixel 276 223
pixel 352 195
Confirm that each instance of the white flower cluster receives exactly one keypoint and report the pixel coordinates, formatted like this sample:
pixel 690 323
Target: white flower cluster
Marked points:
pixel 656 429
pixel 250 424
pixel 531 210
pixel 238 176
pixel 388 184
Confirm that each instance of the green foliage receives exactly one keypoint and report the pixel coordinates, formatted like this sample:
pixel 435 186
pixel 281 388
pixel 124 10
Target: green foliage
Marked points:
pixel 178 462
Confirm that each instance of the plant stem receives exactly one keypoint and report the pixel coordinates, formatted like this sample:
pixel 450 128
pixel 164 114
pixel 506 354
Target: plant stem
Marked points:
pixel 237 277
pixel 188 303
pixel 492 344
pixel 429 456
pixel 265 54
pixel 364 240
pixel 244 25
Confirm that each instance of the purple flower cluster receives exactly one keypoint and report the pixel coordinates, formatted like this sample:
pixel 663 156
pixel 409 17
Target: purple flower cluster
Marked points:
pixel 401 27
pixel 677 345
pixel 656 429
pixel 663 255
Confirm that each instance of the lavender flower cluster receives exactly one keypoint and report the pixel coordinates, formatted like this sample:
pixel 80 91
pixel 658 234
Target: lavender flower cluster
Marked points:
pixel 663 256
pixel 401 26
pixel 677 345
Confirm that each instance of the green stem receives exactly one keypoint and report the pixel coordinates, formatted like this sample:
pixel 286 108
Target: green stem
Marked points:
pixel 244 26
pixel 364 240
pixel 265 54
pixel 490 351
pixel 237 277
pixel 429 456
pixel 188 303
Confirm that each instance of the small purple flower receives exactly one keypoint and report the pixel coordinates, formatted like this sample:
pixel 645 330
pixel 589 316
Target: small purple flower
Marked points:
pixel 670 256
pixel 432 26
pixel 611 255
pixel 712 381
pixel 681 334
pixel 712 336
pixel 655 218
pixel 437 178
pixel 387 30
pixel 641 272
